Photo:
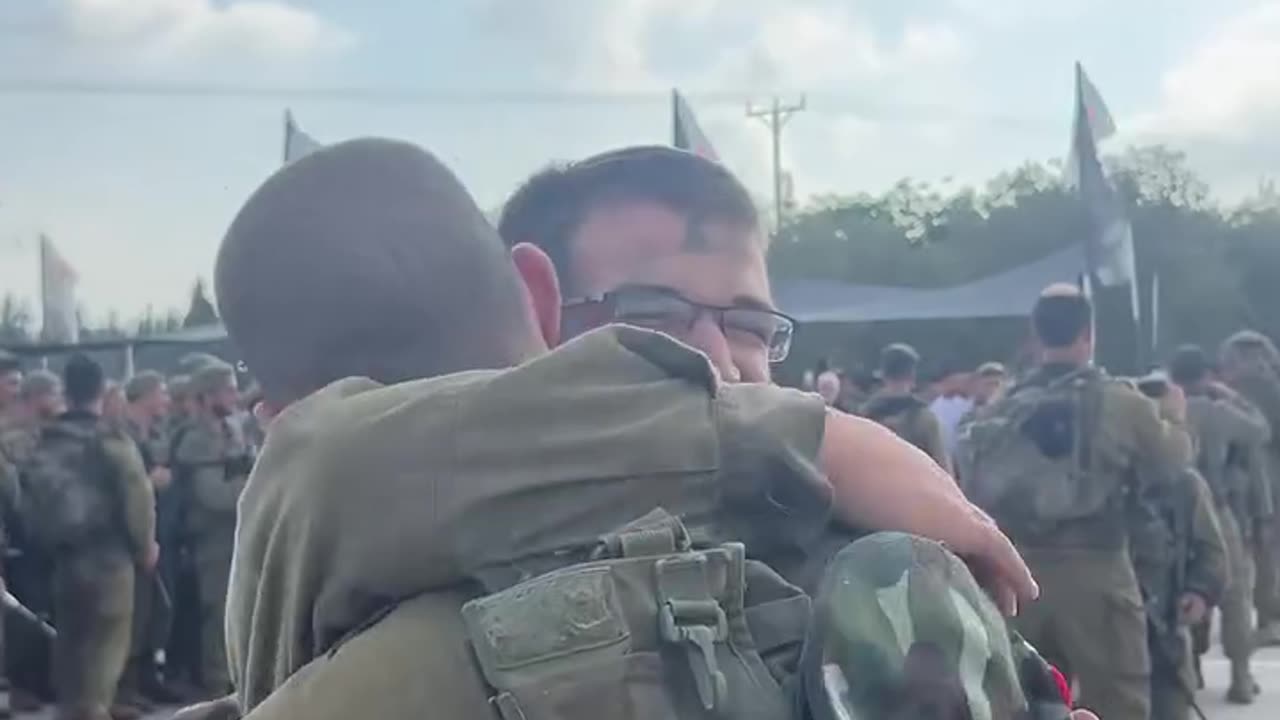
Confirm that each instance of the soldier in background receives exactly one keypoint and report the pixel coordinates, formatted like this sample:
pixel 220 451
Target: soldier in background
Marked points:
pixel 896 406
pixel 211 463
pixel 1249 364
pixel 147 411
pixel 1180 557
pixel 114 404
pixel 91 508
pixel 1222 420
pixel 27 651
pixel 1055 462
pixel 10 383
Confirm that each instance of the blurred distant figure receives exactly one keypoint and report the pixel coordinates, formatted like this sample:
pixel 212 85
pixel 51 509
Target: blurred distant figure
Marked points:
pixel 896 406
pixel 988 383
pixel 950 403
pixel 114 405
pixel 88 502
pixel 827 385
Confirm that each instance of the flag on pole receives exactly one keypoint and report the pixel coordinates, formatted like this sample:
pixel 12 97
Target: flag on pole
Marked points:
pixel 57 296
pixel 1155 312
pixel 297 143
pixel 686 134
pixel 1109 247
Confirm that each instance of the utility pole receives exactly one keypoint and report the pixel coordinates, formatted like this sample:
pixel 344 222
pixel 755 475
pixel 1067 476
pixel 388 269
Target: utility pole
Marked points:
pixel 775 116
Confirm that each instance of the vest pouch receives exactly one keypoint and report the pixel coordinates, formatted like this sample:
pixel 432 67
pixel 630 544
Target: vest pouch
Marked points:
pixel 656 637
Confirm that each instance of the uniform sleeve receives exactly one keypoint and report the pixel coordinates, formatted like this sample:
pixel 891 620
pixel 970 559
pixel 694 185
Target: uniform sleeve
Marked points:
pixel 1207 564
pixel 776 497
pixel 1161 446
pixel 931 430
pixel 1241 422
pixel 135 492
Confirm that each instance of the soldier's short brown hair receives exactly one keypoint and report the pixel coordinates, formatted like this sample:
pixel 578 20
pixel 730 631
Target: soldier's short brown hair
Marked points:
pixel 369 258
pixel 550 206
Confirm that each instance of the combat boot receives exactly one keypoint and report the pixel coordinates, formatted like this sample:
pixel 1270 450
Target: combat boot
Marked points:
pixel 1242 687
pixel 123 711
pixel 1268 634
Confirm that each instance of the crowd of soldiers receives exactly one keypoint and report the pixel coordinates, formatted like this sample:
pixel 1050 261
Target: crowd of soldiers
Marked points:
pixel 135 592
pixel 540 472
pixel 1177 541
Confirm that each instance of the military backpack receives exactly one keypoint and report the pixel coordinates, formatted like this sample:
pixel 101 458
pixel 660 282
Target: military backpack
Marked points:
pixel 1027 459
pixel 67 500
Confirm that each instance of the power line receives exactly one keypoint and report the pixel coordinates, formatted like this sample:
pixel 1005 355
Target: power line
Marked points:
pixel 775 116
pixel 826 102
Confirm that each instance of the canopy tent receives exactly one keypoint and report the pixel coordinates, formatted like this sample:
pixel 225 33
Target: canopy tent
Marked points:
pixel 201 335
pixel 1008 293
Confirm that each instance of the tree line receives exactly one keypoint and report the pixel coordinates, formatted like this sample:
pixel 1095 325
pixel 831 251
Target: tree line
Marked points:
pixel 1218 264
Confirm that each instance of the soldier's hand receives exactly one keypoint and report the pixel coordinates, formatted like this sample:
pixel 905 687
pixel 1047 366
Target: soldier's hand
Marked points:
pixel 1083 715
pixel 152 558
pixel 1173 405
pixel 161 477
pixel 1192 609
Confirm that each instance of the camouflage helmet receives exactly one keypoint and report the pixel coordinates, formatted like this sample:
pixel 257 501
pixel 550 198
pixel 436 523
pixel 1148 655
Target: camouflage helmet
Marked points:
pixel 142 385
pixel 191 362
pixel 902 630
pixel 179 387
pixel 210 377
pixel 1250 349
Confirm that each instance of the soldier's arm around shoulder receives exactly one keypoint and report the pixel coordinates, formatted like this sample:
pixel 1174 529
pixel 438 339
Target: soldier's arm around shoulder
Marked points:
pixel 1241 421
pixel 134 490
pixel 1157 432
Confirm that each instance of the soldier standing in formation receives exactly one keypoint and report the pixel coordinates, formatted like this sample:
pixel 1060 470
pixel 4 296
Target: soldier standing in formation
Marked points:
pixel 211 462
pixel 896 406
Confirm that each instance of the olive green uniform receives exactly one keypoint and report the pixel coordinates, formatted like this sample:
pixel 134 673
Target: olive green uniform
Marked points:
pixel 1263 390
pixel 207 462
pixel 93 589
pixel 1220 425
pixel 1206 574
pixel 1088 588
pixel 151 607
pixel 912 420
pixel 338 567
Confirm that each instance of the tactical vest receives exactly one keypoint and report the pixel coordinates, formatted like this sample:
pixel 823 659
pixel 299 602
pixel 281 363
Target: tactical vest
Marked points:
pixel 646 628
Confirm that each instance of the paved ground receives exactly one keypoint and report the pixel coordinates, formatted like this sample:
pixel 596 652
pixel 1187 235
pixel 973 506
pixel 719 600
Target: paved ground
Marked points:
pixel 1266 667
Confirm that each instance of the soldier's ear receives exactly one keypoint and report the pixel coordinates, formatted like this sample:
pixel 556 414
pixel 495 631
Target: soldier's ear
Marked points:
pixel 542 287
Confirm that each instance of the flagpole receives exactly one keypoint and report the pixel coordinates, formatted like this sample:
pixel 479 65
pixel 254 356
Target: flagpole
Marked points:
pixel 288 123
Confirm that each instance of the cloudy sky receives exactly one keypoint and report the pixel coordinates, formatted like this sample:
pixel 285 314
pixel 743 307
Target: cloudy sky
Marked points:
pixel 131 130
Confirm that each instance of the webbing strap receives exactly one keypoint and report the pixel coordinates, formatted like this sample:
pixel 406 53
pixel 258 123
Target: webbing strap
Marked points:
pixel 690 616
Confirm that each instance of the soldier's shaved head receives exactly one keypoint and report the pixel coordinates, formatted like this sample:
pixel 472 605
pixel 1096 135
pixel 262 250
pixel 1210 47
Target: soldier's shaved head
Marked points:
pixel 367 258
pixel 1062 317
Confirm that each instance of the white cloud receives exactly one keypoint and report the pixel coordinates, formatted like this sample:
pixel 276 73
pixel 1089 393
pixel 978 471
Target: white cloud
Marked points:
pixel 186 29
pixel 1222 104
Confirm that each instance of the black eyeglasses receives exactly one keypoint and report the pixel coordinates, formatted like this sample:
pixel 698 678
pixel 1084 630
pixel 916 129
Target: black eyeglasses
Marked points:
pixel 664 309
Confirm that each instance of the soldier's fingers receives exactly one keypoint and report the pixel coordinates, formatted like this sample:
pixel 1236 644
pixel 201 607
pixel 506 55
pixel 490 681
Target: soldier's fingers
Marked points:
pixel 1010 567
pixel 1083 715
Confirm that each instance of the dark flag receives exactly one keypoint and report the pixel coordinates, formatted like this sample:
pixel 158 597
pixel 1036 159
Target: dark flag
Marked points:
pixel 686 134
pixel 1109 247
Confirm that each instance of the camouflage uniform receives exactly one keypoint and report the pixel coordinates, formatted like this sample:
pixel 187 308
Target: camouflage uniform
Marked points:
pixel 152 612
pixel 1088 585
pixel 1221 425
pixel 93 585
pixel 1198 564
pixel 1262 388
pixel 909 417
pixel 211 467
pixel 26 651
pixel 328 616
